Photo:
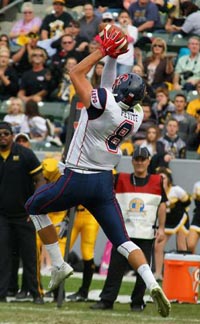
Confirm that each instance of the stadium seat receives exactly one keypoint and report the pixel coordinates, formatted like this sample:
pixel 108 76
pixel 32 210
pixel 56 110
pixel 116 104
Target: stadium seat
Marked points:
pixel 45 146
pixel 173 93
pixel 191 95
pixel 3 109
pixel 55 111
pixel 192 155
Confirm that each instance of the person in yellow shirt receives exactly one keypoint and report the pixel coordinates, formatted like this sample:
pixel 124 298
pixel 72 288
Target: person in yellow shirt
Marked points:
pixel 194 105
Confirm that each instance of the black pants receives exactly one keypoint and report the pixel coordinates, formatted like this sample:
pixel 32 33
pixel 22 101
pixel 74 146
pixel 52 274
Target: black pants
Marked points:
pixel 12 230
pixel 117 267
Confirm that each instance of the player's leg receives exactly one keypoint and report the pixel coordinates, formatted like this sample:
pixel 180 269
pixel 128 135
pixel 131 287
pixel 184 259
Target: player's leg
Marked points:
pixel 46 199
pixel 110 218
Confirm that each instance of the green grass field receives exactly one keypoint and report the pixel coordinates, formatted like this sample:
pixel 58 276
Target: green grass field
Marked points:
pixel 80 313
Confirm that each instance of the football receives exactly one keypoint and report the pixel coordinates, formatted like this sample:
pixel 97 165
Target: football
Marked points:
pixel 113 29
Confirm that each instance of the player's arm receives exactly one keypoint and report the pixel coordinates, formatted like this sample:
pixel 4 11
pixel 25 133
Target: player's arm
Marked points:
pixel 109 73
pixel 113 43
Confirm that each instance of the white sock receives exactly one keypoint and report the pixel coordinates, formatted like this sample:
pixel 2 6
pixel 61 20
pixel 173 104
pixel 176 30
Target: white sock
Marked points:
pixel 55 254
pixel 147 275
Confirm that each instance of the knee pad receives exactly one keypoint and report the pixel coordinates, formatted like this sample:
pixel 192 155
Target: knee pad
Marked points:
pixel 126 248
pixel 40 221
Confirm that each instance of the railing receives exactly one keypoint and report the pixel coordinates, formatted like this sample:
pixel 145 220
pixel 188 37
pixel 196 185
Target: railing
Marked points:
pixel 9 12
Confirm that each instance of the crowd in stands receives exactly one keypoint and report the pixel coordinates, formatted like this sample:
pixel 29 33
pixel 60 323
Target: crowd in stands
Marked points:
pixel 38 53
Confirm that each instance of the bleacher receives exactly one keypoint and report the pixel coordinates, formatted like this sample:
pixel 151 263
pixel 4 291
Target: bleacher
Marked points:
pixel 58 111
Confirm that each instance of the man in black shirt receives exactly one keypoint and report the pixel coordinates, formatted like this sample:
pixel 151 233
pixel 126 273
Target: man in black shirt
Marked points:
pixel 55 23
pixel 20 175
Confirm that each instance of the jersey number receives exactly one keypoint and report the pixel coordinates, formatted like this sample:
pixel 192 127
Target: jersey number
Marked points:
pixel 118 135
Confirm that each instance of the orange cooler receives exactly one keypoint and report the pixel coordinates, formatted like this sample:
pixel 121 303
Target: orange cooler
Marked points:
pixel 181 277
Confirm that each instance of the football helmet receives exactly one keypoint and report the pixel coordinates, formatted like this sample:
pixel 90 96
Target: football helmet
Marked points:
pixel 128 89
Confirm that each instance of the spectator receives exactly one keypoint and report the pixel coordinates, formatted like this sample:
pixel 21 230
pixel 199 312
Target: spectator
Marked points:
pixel 158 67
pixel 191 25
pixel 177 219
pixel 65 90
pixel 163 107
pixel 187 70
pixel 133 190
pixel 4 41
pixel 8 76
pixel 144 15
pixel 75 8
pixel 21 58
pixel 194 230
pixel 68 49
pixel 97 73
pixel 148 121
pixel 54 24
pixel 175 147
pixel 89 23
pixel 15 114
pixel 114 6
pixel 93 45
pixel 155 147
pixel 193 142
pixel 194 105
pixel 34 124
pixel 151 141
pixel 36 83
pixel 125 62
pixel 21 173
pixel 175 19
pixel 139 69
pixel 24 26
pixel 74 31
pixel 186 122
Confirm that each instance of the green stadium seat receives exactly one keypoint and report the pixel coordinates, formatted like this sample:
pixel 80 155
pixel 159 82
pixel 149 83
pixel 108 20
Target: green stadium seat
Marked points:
pixel 173 93
pixel 3 109
pixel 55 111
pixel 191 95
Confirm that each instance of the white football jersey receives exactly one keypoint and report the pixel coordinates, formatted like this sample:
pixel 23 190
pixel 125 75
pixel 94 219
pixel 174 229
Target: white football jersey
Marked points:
pixel 100 131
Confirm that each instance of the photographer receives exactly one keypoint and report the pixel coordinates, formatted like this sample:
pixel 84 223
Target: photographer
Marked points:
pixel 187 70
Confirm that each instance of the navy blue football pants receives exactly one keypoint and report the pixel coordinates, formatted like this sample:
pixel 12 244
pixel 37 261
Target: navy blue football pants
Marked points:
pixel 94 191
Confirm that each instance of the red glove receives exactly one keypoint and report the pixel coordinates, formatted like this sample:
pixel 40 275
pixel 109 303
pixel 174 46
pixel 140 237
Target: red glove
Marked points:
pixel 113 42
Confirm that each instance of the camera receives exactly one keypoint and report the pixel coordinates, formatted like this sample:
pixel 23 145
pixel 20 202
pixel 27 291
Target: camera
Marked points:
pixel 187 74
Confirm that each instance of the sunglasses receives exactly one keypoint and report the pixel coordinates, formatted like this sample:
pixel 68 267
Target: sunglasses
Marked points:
pixel 107 20
pixel 28 12
pixel 158 45
pixel 41 55
pixel 64 43
pixel 5 133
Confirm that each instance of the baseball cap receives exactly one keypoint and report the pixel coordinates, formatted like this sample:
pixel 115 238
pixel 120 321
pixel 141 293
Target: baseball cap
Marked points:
pixel 60 1
pixel 7 126
pixel 141 152
pixel 24 135
pixel 107 15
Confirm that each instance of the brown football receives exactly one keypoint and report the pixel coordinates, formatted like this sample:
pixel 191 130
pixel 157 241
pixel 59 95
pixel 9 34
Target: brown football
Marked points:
pixel 110 28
